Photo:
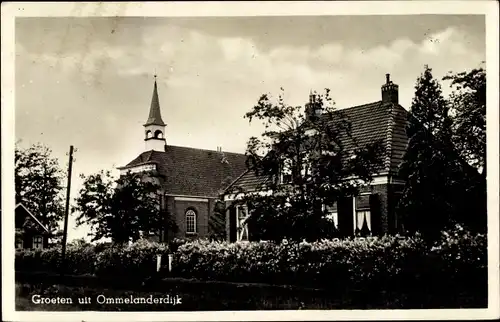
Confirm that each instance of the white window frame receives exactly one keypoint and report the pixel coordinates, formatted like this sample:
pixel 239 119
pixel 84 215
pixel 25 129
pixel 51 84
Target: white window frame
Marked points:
pixel 36 237
pixel 241 225
pixel 193 214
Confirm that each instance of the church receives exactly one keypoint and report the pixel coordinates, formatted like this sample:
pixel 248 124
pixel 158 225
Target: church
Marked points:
pixel 191 179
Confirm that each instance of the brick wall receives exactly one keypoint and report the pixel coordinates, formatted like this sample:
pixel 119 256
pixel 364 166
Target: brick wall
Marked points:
pixel 202 210
pixel 388 196
pixel 170 204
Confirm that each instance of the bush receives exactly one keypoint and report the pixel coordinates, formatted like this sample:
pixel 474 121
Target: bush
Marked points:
pixel 80 259
pixel 355 263
pixel 136 260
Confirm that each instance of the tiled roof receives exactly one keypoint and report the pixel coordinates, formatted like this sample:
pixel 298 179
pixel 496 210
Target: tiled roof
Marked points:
pixel 194 172
pixel 377 121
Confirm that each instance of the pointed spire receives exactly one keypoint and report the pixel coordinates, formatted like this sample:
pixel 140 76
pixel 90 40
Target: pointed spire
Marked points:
pixel 154 112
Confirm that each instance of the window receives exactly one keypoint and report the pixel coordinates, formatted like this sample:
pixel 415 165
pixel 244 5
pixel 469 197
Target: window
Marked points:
pixel 362 216
pixel 286 171
pixel 241 224
pixel 334 218
pixel 19 243
pixel 190 221
pixel 37 242
pixel 158 134
pixel 148 134
pixel 363 223
pixel 306 164
pixel 332 214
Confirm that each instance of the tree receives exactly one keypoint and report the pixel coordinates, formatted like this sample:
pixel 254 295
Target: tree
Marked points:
pixel 303 159
pixel 124 209
pixel 38 181
pixel 217 222
pixel 434 189
pixel 468 103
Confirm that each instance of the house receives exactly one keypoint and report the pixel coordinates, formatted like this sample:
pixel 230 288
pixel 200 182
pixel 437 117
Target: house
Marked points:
pixel 191 179
pixel 30 232
pixel 373 210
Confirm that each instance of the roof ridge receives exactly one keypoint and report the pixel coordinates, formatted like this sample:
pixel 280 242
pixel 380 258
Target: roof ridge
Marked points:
pixel 201 149
pixel 362 105
pixel 389 137
pixel 149 156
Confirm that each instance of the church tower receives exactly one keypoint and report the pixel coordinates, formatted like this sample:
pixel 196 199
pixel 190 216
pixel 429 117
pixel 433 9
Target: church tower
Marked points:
pixel 154 128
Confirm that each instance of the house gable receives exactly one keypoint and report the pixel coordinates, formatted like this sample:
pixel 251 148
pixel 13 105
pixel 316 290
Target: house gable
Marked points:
pixel 26 220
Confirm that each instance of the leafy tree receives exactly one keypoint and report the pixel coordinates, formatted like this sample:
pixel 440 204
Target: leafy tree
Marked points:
pixel 80 242
pixel 434 193
pixel 468 106
pixel 38 182
pixel 217 222
pixel 303 160
pixel 468 103
pixel 124 209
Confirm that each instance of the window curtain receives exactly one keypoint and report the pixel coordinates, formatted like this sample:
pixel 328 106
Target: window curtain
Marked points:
pixel 363 218
pixel 335 217
pixel 241 225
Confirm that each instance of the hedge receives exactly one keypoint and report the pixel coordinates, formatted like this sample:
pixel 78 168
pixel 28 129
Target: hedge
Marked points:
pixel 459 257
pixel 137 260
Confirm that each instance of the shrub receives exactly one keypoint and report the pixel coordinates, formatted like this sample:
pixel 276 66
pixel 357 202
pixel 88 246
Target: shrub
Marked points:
pixel 80 259
pixel 355 263
pixel 136 261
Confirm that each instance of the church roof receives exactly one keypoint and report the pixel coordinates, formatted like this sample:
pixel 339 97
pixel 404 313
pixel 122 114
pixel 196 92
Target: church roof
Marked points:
pixel 154 112
pixel 377 121
pixel 193 172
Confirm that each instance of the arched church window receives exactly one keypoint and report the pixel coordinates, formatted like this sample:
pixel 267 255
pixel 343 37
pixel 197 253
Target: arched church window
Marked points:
pixel 158 134
pixel 190 221
pixel 148 134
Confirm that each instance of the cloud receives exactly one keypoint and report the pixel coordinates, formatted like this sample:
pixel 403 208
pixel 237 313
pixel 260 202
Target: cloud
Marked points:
pixel 192 58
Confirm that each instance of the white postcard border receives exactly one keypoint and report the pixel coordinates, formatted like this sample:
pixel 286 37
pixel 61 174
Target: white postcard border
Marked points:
pixel 153 9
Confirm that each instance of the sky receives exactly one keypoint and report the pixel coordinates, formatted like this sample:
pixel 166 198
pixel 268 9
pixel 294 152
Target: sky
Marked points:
pixel 88 82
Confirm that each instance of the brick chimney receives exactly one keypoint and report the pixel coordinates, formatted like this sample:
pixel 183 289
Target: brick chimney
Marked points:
pixel 390 91
pixel 313 107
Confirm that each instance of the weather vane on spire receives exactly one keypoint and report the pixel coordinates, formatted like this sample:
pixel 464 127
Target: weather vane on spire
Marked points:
pixel 155 74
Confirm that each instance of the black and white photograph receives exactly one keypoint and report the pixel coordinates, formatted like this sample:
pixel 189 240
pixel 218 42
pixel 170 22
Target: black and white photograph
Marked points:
pixel 211 161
